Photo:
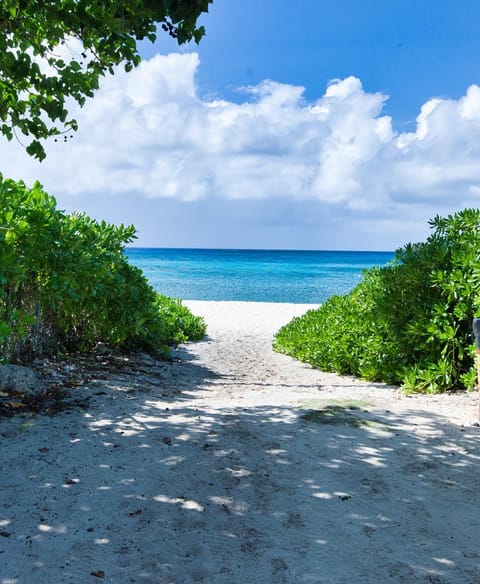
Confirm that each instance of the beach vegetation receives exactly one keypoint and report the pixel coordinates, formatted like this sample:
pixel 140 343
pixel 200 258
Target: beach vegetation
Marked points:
pixel 407 323
pixel 66 284
pixel 55 53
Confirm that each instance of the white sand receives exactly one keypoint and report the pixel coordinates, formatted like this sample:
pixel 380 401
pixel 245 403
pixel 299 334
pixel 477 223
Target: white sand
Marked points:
pixel 203 470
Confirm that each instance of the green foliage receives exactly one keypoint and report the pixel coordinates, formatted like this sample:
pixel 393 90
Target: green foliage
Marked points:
pixel 180 324
pixel 407 323
pixel 37 78
pixel 65 283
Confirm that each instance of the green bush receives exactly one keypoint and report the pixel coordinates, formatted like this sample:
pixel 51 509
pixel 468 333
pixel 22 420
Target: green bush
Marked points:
pixel 407 323
pixel 66 284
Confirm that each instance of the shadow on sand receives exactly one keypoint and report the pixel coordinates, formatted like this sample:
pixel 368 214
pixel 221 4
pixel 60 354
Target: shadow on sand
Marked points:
pixel 148 486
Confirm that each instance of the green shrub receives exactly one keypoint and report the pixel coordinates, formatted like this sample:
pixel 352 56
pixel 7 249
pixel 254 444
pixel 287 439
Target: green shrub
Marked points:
pixel 66 284
pixel 407 323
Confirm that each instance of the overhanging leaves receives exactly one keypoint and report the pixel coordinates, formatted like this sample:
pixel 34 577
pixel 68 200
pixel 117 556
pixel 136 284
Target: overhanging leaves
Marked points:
pixel 54 50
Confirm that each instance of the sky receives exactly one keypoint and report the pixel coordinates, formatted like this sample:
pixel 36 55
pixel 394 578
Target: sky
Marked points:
pixel 314 124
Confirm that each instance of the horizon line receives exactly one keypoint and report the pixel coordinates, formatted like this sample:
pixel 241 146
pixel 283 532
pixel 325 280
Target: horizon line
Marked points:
pixel 185 248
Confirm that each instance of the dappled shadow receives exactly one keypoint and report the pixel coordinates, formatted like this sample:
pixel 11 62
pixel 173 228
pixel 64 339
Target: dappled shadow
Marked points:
pixel 146 486
pixel 184 353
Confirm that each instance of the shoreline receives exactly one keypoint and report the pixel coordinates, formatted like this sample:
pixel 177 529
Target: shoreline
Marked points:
pixel 262 318
pixel 241 302
pixel 218 467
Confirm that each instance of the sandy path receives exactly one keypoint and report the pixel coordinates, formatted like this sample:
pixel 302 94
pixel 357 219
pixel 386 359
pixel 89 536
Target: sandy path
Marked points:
pixel 204 470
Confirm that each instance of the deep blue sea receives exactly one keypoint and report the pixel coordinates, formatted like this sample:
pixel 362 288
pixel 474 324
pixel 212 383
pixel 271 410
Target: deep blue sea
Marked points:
pixel 254 275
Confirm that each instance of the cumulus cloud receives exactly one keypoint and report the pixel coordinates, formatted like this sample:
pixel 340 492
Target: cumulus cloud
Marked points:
pixel 150 133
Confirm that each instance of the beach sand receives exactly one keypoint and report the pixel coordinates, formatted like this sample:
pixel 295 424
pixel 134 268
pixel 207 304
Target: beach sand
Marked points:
pixel 219 467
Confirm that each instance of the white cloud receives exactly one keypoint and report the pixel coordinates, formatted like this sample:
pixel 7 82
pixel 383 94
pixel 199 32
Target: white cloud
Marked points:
pixel 150 134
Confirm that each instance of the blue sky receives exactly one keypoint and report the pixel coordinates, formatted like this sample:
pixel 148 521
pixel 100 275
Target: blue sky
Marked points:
pixel 410 50
pixel 294 125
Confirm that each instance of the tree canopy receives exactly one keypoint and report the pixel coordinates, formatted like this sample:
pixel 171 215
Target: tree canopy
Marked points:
pixel 42 64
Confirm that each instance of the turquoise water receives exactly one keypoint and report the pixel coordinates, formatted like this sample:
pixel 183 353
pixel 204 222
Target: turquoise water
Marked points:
pixel 254 275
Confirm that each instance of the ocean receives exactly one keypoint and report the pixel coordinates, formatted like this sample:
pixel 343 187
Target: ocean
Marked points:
pixel 302 277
